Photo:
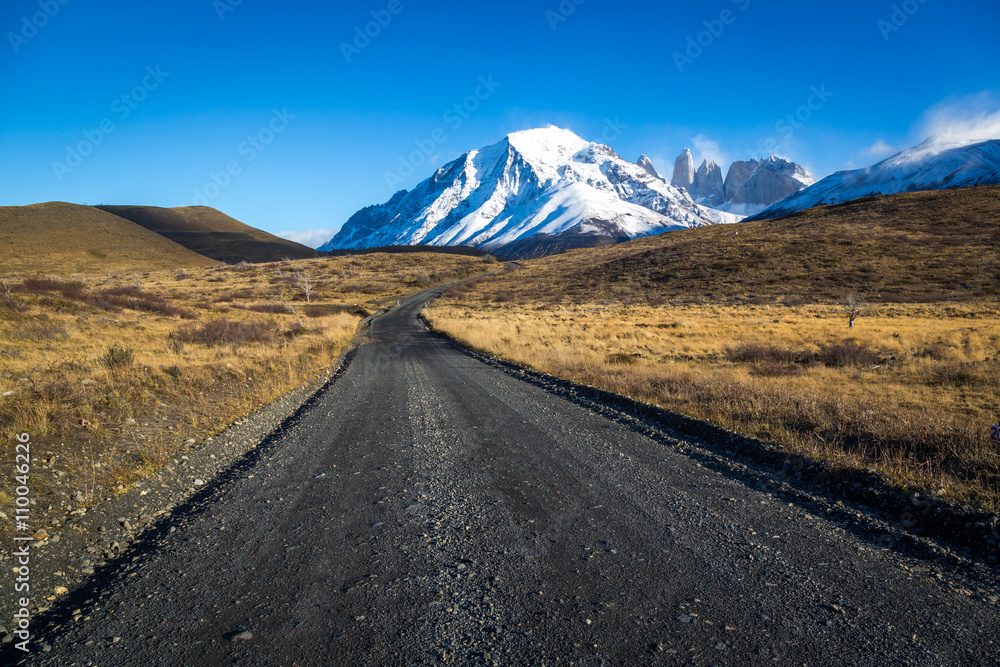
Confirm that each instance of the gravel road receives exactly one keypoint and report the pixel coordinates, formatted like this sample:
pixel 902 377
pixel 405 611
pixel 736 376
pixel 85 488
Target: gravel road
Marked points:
pixel 432 509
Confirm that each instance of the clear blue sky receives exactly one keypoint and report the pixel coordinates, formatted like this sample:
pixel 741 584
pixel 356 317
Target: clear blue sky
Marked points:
pixel 222 68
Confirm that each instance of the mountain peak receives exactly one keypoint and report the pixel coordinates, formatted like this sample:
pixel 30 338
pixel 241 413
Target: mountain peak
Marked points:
pixel 537 191
pixel 546 148
pixel 647 164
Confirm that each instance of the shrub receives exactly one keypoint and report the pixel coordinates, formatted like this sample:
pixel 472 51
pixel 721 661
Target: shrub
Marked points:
pixel 226 332
pixel 757 353
pixel 957 376
pixel 278 308
pixel 774 369
pixel 848 353
pixel 621 358
pixel 118 358
pixel 316 311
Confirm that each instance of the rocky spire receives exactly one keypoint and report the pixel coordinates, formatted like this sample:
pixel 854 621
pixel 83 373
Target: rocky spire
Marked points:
pixel 708 186
pixel 684 170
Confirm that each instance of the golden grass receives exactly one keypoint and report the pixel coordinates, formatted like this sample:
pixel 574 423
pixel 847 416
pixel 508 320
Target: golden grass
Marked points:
pixel 112 374
pixel 68 238
pixel 915 399
pixel 916 247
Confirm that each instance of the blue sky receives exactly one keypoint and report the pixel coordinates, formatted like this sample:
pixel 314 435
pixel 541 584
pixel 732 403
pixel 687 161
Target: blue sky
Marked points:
pixel 257 107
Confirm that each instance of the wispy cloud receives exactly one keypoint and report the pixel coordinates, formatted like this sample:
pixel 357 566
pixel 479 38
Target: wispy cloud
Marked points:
pixel 309 237
pixel 707 149
pixel 966 118
pixel 879 149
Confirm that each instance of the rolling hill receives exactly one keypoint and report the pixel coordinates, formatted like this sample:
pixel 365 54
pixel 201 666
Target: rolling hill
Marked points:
pixel 57 237
pixel 212 233
pixel 911 247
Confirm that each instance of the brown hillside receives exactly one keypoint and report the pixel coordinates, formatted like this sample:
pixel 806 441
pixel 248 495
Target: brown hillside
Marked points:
pixel 913 247
pixel 57 237
pixel 213 233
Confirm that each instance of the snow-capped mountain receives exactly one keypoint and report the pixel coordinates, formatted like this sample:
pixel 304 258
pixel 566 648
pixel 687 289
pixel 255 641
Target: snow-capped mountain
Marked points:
pixel 533 193
pixel 933 165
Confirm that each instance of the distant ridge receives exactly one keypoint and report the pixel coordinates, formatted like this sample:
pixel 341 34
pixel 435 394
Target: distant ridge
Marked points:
pixel 935 164
pixel 57 238
pixel 212 233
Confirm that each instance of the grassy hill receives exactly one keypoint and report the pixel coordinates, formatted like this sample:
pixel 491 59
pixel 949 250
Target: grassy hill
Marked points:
pixel 746 326
pixel 212 233
pixel 57 237
pixel 913 247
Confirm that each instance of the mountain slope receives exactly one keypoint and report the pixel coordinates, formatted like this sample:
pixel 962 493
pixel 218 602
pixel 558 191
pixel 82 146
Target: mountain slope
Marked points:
pixel 913 247
pixel 57 237
pixel 212 233
pixel 531 193
pixel 933 165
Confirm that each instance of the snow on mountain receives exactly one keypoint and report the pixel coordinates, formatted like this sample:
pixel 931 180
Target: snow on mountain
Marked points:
pixel 935 164
pixel 536 185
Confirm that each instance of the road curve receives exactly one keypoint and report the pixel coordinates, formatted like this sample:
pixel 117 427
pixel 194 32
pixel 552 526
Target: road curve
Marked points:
pixel 432 509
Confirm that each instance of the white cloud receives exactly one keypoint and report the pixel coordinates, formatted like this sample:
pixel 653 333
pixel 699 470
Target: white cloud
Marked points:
pixel 309 237
pixel 966 118
pixel 879 149
pixel 706 149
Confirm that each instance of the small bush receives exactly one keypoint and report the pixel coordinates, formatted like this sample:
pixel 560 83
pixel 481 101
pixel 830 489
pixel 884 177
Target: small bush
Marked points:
pixel 277 308
pixel 131 291
pixel 226 332
pixel 316 311
pixel 621 358
pixel 848 353
pixel 756 353
pixel 118 358
pixel 954 375
pixel 774 369
pixel 936 351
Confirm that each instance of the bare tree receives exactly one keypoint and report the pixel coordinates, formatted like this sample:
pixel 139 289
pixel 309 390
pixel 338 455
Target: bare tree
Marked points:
pixel 855 307
pixel 304 281
pixel 294 312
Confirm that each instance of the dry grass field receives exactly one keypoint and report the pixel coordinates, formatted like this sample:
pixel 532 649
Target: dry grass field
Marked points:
pixel 68 239
pixel 112 374
pixel 766 349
